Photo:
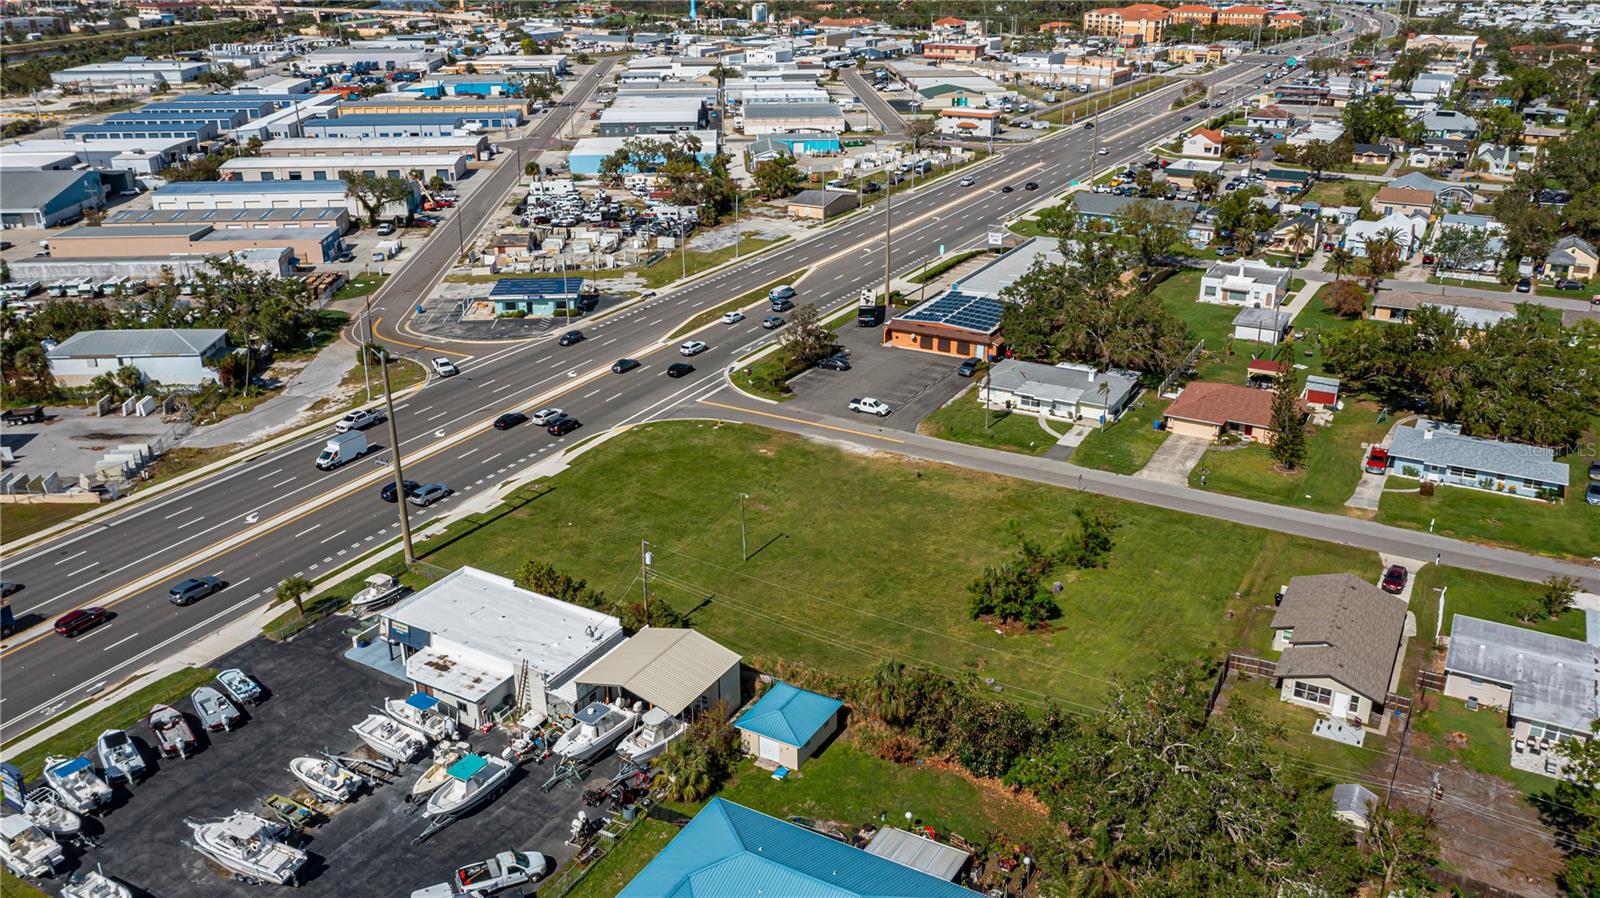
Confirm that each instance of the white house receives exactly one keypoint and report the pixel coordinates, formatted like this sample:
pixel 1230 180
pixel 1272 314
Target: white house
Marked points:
pixel 1205 142
pixel 1407 232
pixel 964 121
pixel 1064 392
pixel 169 356
pixel 1244 283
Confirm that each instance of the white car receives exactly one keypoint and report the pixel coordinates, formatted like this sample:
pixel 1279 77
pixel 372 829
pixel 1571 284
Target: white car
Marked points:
pixel 693 347
pixel 1104 152
pixel 870 406
pixel 967 181
pixel 544 416
pixel 445 368
pixel 733 318
pixel 360 419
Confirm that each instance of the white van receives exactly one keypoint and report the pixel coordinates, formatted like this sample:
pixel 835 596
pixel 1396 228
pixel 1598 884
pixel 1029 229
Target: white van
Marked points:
pixel 342 448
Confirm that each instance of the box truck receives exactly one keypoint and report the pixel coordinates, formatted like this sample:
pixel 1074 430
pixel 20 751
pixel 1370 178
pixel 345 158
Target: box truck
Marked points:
pixel 342 448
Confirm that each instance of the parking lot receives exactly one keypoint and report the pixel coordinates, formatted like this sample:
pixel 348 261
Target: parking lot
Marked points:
pixel 914 384
pixel 363 849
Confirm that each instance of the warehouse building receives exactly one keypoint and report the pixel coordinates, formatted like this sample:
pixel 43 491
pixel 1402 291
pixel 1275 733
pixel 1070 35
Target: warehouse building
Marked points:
pixel 506 64
pixel 475 146
pixel 42 199
pixel 271 261
pixel 194 132
pixel 221 195
pixel 130 72
pixel 288 121
pixel 359 58
pixel 165 355
pixel 408 124
pixel 512 108
pixel 785 118
pixel 310 245
pixel 589 152
pixel 141 156
pixel 631 115
pixel 450 166
pixel 234 219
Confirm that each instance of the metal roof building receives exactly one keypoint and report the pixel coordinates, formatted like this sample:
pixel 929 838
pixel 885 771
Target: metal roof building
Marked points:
pixel 671 669
pixel 163 355
pixel 729 849
pixel 918 852
pixel 788 724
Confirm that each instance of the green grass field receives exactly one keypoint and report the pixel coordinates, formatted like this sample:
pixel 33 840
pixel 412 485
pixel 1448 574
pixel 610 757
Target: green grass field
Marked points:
pixel 1331 193
pixel 1487 747
pixel 858 559
pixel 1482 596
pixel 1569 528
pixel 18 519
pixel 1330 474
pixel 963 421
pixel 1126 445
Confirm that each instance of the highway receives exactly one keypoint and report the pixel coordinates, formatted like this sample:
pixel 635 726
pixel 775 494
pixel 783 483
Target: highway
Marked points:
pixel 274 515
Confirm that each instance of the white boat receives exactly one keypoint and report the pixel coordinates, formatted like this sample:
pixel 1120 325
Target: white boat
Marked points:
pixel 252 847
pixel 174 736
pixel 240 686
pixel 470 781
pixel 120 758
pixel 94 884
pixel 43 807
pixel 327 779
pixel 214 709
pixel 391 738
pixel 444 755
pixel 74 780
pixel 421 712
pixel 381 591
pixel 598 727
pixel 26 850
pixel 655 732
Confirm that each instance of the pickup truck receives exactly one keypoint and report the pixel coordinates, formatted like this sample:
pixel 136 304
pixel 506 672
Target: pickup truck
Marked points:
pixel 359 419
pixel 870 406
pixel 505 870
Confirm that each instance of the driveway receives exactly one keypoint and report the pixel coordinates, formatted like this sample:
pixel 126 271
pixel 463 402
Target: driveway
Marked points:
pixel 1368 491
pixel 1174 460
pixel 915 384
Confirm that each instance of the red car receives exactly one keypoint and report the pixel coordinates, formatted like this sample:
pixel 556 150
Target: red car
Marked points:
pixel 74 622
pixel 1394 579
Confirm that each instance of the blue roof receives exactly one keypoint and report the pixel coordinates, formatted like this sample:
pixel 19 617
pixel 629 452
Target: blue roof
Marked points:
pixel 731 850
pixel 789 714
pixel 521 287
pixel 957 309
pixel 202 188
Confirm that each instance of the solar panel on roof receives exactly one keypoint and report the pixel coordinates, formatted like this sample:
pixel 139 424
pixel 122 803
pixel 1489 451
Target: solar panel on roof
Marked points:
pixel 960 310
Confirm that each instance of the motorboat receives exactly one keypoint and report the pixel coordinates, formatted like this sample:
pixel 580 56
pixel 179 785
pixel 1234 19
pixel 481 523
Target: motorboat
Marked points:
pixel 76 784
pixel 327 780
pixel 470 781
pixel 43 807
pixel 94 884
pixel 214 710
pixel 444 755
pixel 240 686
pixel 381 591
pixel 391 738
pixel 251 847
pixel 655 732
pixel 598 727
pixel 421 712
pixel 120 758
pixel 27 850
pixel 174 737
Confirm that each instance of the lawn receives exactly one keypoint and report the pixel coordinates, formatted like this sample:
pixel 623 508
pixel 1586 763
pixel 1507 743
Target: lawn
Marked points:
pixel 805 596
pixel 732 305
pixel 1330 473
pixel 1483 596
pixel 1334 762
pixel 1211 322
pixel 933 271
pixel 125 714
pixel 1313 322
pixel 1566 529
pixel 360 285
pixel 1487 747
pixel 963 420
pixel 673 266
pixel 1282 559
pixel 1126 445
pixel 18 519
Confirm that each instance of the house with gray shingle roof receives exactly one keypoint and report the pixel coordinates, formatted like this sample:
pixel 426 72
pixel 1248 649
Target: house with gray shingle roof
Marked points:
pixel 167 355
pixel 1441 453
pixel 1341 640
pixel 1573 257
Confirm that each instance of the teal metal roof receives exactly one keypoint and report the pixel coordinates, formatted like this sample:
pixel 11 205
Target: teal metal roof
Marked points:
pixel 789 714
pixel 731 851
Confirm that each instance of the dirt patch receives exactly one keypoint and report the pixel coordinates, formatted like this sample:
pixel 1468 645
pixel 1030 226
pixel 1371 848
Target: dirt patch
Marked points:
pixel 992 787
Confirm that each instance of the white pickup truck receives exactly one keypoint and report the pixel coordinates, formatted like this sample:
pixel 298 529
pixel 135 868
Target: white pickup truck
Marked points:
pixel 503 871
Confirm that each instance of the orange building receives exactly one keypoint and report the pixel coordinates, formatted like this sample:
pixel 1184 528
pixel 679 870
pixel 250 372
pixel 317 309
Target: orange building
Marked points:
pixel 1282 20
pixel 1052 27
pixel 1192 15
pixel 1139 23
pixel 853 22
pixel 1246 16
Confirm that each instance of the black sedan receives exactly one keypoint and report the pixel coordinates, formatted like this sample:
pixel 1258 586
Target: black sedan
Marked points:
pixel 1006 189
pixel 509 420
pixel 622 365
pixel 562 426
pixel 569 338
pixel 1031 185
pixel 679 369
pixel 388 492
pixel 835 363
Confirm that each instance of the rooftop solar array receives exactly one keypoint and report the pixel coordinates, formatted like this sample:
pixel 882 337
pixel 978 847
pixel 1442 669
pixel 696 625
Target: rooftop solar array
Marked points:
pixel 974 313
pixel 536 287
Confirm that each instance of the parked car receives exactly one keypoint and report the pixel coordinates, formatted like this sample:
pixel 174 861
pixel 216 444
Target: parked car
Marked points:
pixel 1568 284
pixel 546 416
pixel 360 419
pixel 679 369
pixel 76 621
pixel 1592 494
pixel 835 362
pixel 385 229
pixel 693 347
pixel 623 365
pixel 388 491
pixel 509 420
pixel 427 494
pixel 1594 472
pixel 445 368
pixel 7 587
pixel 562 426
pixel 772 322
pixel 570 338
pixel 1525 286
pixel 193 589
pixel 969 366
pixel 732 317
pixel 1394 579
pixel 869 406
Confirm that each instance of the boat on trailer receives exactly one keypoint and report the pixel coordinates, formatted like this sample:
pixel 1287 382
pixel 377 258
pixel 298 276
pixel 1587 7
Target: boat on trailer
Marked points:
pixel 472 781
pixel 174 736
pixel 655 732
pixel 381 591
pixel 444 755
pixel 216 713
pixel 27 850
pixel 391 738
pixel 119 756
pixel 240 686
pixel 94 884
pixel 421 712
pixel 252 848
pixel 76 784
pixel 327 780
pixel 598 727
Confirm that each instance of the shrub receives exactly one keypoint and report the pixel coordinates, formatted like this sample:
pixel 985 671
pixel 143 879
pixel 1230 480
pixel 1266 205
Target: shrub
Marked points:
pixel 1426 488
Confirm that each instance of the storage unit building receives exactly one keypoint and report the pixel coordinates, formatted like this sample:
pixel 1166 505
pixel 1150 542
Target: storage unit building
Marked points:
pixel 41 199
pixel 787 725
pixel 450 166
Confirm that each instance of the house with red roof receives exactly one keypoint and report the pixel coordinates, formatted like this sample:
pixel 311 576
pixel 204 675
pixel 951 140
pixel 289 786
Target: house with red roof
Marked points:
pixel 1206 142
pixel 1209 410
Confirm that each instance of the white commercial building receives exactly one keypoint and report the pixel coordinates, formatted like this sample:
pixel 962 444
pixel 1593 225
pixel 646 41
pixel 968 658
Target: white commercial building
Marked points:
pixel 210 195
pixel 450 166
pixel 473 145
pixel 131 73
pixel 481 645
pixel 168 356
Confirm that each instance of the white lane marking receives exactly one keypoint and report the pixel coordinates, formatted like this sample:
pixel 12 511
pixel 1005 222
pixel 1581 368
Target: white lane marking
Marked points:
pixel 77 555
pixel 92 633
pixel 592 392
pixel 609 342
pixel 493 457
pixel 178 512
pixel 118 642
pixel 305 531
pixel 191 523
pixel 81 570
pixel 489 381
pixel 614 398
pixel 468 452
pixel 270 473
pixel 544 358
pixel 331 538
pixel 438 416
pixel 504 388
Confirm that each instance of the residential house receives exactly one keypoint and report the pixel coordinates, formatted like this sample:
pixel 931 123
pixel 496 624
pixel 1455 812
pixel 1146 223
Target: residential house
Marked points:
pixel 1572 257
pixel 1547 685
pixel 1433 86
pixel 1342 640
pixel 1451 124
pixel 1271 118
pixel 1403 201
pixel 1317 132
pixel 1181 174
pixel 1354 804
pixel 1105 209
pixel 1473 311
pixel 820 205
pixel 787 725
pixel 1264 372
pixel 1461 46
pixel 1445 193
pixel 168 356
pixel 1439 452
pixel 1544 114
pixel 1244 283
pixel 1406 230
pixel 1064 392
pixel 1262 325
pixel 1371 154
pixel 1209 410
pixel 1320 392
pixel 1536 135
pixel 1499 161
pixel 1300 235
pixel 1206 142
pixel 1288 180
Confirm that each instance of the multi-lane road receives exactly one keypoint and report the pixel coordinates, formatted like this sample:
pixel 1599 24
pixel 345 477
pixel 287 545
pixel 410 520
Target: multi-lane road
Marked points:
pixel 274 515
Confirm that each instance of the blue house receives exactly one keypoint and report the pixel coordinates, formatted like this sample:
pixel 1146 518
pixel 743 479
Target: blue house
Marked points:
pixel 729 849
pixel 1439 452
pixel 787 725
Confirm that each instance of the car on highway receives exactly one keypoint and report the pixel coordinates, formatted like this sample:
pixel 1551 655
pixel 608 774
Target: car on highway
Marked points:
pixel 427 494
pixel 772 322
pixel 563 425
pixel 1031 185
pixel 624 365
pixel 836 362
pixel 869 406
pixel 693 347
pixel 1102 152
pixel 509 420
pixel 969 366
pixel 679 369
pixel 968 181
pixel 732 317
pixel 79 619
pixel 193 589
pixel 1007 189
pixel 570 338
pixel 7 587
pixel 1188 118
pixel 445 368
pixel 1394 579
pixel 545 416
pixel 782 291
pixel 782 305
pixel 1088 126
pixel 359 419
pixel 388 492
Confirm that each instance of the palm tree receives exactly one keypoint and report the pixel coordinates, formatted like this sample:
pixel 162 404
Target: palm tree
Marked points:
pixel 293 590
pixel 684 772
pixel 1340 258
pixel 1299 236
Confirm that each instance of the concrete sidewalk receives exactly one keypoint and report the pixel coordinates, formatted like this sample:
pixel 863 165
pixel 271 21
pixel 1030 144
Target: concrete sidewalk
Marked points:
pixel 315 381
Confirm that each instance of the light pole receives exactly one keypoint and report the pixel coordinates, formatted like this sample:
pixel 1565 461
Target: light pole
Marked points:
pixel 888 228
pixel 644 576
pixel 394 460
pixel 366 315
pixel 744 543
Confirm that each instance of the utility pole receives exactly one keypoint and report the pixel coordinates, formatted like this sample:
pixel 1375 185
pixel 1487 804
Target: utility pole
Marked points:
pixel 366 314
pixel 888 227
pixel 736 223
pixel 644 576
pixel 394 457
pixel 744 543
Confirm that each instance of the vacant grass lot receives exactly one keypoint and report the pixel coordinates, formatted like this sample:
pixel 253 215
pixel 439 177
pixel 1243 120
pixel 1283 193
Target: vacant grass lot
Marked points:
pixel 18 519
pixel 1570 528
pixel 1482 596
pixel 360 285
pixel 1331 193
pixel 857 559
pixel 1126 445
pixel 1323 483
pixel 674 266
pixel 963 421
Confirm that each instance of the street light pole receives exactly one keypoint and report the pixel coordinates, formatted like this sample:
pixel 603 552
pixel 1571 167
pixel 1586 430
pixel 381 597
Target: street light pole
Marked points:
pixel 888 228
pixel 366 315
pixel 744 543
pixel 394 460
pixel 644 576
